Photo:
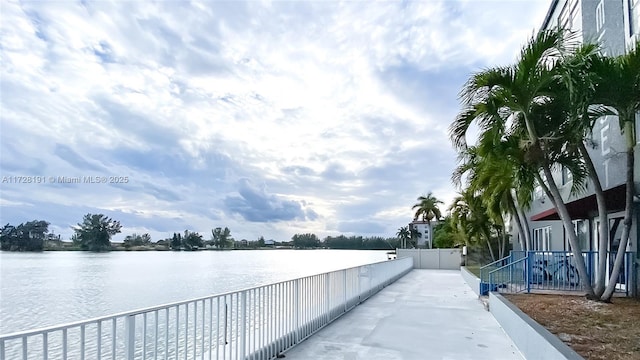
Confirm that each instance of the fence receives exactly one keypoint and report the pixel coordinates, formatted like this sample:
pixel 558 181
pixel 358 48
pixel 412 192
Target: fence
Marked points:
pixel 548 270
pixel 256 323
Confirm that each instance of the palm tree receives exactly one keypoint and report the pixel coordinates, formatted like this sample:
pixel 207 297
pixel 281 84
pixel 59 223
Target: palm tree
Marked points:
pixel 469 215
pixel 578 82
pixel 403 235
pixel 517 103
pixel 427 208
pixel 494 171
pixel 612 87
pixel 414 235
pixel 619 92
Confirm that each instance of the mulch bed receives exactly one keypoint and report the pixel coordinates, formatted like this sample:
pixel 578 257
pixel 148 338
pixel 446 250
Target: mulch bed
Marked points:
pixel 594 330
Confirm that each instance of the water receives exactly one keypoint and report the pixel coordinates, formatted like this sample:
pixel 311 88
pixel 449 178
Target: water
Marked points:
pixel 52 288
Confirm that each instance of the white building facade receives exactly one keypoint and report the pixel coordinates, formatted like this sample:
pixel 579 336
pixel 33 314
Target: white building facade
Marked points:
pixel 425 231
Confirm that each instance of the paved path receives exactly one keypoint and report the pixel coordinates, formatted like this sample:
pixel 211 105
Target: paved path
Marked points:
pixel 427 314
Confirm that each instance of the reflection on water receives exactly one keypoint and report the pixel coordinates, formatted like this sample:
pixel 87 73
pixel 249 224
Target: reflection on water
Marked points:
pixel 51 288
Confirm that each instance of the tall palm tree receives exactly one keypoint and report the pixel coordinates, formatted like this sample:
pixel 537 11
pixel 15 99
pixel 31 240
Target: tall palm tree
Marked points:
pixel 522 94
pixel 427 208
pixel 595 85
pixel 578 82
pixel 619 91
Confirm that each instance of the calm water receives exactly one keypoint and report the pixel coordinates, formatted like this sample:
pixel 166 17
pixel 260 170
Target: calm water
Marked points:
pixel 51 288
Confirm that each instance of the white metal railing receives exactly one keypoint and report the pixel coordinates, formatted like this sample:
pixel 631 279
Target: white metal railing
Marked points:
pixel 255 323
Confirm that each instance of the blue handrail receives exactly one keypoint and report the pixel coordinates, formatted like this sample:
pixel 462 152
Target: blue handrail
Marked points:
pixel 548 270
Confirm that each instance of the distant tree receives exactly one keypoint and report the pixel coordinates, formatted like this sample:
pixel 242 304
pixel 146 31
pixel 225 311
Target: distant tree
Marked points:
pixel 305 241
pixel 261 241
pixel 163 242
pixel 28 236
pixel 221 238
pixel 404 236
pixel 445 235
pixel 359 242
pixel 95 231
pixel 76 240
pixel 376 243
pixel 192 240
pixel 176 242
pixel 137 240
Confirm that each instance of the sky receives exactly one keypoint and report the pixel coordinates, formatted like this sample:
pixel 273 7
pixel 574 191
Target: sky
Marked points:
pixel 271 118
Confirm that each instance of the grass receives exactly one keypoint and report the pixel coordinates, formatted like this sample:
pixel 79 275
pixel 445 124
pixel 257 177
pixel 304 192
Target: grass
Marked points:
pixel 474 269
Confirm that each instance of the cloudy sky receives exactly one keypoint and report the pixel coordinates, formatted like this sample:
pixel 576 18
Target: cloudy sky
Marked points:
pixel 269 117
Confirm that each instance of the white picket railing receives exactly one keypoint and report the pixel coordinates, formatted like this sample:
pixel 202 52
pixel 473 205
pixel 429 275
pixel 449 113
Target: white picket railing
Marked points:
pixel 255 323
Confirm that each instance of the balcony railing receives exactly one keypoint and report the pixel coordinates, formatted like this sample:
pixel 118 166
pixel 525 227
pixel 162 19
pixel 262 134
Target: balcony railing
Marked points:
pixel 255 323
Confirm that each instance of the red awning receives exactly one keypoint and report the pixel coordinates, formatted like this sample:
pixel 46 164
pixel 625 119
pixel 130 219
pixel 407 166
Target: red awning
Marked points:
pixel 585 207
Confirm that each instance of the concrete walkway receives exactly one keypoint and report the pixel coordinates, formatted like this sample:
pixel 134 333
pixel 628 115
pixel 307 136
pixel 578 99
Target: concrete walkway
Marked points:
pixel 427 314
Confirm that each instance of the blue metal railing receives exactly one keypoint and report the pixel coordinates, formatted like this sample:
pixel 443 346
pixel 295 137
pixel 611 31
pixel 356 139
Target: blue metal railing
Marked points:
pixel 484 270
pixel 510 278
pixel 548 270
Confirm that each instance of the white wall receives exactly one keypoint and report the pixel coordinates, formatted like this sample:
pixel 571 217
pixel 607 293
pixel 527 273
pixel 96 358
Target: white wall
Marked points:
pixel 447 259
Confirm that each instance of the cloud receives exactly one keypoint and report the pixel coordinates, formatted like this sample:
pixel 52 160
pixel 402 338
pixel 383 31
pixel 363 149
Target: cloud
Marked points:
pixel 256 205
pixel 336 112
pixel 73 158
pixel 361 227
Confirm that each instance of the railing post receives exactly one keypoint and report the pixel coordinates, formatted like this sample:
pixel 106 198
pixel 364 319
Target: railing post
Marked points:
pixel 510 271
pixel 243 324
pixel 529 267
pixel 130 337
pixel 296 308
pixel 346 299
pixel 633 270
pixel 327 311
pixel 490 282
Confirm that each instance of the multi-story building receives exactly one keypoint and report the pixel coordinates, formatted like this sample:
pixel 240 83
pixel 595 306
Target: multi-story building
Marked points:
pixel 616 25
pixel 424 230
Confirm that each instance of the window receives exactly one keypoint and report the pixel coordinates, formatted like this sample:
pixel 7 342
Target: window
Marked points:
pixel 567 176
pixel 634 16
pixel 581 227
pixel 538 194
pixel 542 239
pixel 599 16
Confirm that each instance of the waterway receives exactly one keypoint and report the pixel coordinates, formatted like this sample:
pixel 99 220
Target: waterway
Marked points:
pixel 52 288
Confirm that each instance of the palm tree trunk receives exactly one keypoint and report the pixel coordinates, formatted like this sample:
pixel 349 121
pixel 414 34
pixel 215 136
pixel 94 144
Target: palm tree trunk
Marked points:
pixel 525 226
pixel 558 202
pixel 493 256
pixel 516 216
pixel 630 192
pixel 487 236
pixel 573 238
pixel 527 230
pixel 603 231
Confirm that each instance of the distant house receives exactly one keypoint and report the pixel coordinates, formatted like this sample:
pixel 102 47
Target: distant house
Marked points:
pixel 52 241
pixel 270 242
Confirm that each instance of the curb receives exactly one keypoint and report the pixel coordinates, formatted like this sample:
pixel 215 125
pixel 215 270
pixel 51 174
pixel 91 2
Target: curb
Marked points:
pixel 531 338
pixel 471 279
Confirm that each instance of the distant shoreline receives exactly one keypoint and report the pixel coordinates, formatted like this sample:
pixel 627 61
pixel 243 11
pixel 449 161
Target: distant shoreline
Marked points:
pixel 119 248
